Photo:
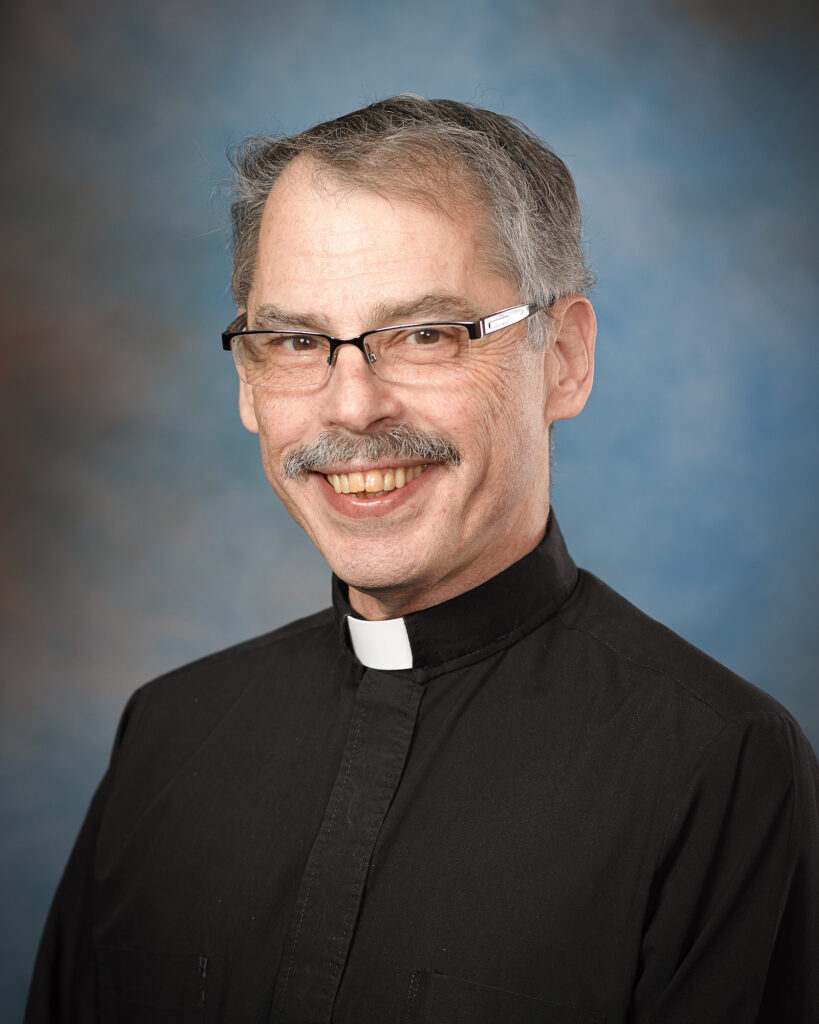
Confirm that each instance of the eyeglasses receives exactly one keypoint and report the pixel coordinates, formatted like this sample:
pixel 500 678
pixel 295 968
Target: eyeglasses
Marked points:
pixel 408 354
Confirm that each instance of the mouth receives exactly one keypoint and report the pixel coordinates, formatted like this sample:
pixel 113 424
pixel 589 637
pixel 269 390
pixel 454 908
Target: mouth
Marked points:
pixel 373 483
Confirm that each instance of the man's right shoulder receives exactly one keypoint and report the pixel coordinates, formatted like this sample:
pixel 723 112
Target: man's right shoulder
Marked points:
pixel 259 649
pixel 207 687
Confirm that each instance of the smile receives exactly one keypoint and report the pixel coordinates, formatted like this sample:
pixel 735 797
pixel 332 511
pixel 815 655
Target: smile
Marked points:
pixel 374 482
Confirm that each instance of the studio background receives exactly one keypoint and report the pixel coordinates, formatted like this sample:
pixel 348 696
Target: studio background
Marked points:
pixel 138 529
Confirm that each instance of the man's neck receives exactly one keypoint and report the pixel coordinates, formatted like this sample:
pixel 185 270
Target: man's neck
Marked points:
pixel 394 602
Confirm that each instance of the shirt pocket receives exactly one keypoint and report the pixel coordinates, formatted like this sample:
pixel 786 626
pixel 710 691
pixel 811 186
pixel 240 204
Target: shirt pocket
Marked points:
pixel 137 987
pixel 439 999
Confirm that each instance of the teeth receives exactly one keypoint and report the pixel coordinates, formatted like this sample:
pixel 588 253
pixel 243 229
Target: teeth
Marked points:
pixel 375 481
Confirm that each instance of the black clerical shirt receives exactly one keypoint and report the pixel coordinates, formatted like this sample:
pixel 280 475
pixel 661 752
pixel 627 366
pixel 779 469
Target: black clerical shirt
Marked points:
pixel 562 812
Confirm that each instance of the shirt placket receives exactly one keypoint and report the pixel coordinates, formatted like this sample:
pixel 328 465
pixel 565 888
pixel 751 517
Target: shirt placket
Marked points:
pixel 332 887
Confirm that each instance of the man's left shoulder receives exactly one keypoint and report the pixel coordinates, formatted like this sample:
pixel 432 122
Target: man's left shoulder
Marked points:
pixel 655 657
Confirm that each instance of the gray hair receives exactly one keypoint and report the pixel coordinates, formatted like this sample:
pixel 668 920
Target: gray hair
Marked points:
pixel 402 440
pixel 439 153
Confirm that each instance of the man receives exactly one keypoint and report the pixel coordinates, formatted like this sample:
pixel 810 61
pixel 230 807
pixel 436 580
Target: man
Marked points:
pixel 482 787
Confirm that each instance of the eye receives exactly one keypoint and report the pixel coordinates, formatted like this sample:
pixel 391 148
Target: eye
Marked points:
pixel 425 336
pixel 297 343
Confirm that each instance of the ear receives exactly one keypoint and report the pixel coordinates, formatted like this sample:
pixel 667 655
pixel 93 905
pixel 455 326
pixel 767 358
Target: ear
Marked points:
pixel 247 408
pixel 571 357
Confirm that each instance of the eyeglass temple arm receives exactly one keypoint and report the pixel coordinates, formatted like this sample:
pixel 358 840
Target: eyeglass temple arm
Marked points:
pixel 505 318
pixel 239 324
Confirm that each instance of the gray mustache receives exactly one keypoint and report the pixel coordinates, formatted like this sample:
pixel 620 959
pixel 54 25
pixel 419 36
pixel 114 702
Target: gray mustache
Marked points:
pixel 402 441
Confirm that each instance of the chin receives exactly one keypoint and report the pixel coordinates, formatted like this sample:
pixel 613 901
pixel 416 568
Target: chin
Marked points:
pixel 372 571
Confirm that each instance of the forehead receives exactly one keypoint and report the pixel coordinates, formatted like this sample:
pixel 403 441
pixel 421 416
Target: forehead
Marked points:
pixel 329 247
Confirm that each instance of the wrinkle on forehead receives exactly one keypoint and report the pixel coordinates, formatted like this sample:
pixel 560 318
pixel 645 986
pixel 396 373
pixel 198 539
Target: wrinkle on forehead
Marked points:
pixel 384 313
pixel 447 187
pixel 407 268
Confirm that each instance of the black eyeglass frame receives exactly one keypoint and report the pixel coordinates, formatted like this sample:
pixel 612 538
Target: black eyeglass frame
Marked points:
pixel 475 329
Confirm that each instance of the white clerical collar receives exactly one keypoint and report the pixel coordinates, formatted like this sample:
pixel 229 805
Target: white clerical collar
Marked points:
pixel 383 645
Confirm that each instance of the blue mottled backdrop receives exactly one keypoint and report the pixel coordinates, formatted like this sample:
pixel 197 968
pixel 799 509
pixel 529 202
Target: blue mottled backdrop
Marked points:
pixel 138 529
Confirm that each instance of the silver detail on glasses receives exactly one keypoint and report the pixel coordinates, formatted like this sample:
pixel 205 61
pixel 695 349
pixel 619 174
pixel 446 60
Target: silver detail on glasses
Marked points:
pixel 408 354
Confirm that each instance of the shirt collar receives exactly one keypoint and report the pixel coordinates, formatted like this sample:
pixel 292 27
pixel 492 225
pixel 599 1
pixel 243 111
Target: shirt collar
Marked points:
pixel 492 615
pixel 383 644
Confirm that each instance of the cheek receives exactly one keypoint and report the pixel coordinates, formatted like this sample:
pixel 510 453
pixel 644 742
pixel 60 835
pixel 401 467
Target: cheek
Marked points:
pixel 508 419
pixel 279 432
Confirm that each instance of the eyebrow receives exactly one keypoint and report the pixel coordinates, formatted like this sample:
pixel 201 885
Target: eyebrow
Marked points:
pixel 383 314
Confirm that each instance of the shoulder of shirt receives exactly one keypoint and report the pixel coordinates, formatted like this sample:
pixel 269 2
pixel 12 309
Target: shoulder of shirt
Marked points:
pixel 259 645
pixel 221 674
pixel 658 657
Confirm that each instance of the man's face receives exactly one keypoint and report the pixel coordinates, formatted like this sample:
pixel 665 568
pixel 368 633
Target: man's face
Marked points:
pixel 343 261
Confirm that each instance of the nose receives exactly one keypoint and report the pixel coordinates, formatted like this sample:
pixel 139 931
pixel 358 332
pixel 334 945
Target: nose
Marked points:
pixel 355 397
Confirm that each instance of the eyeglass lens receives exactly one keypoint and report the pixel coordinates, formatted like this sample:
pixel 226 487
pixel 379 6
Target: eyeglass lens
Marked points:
pixel 400 354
